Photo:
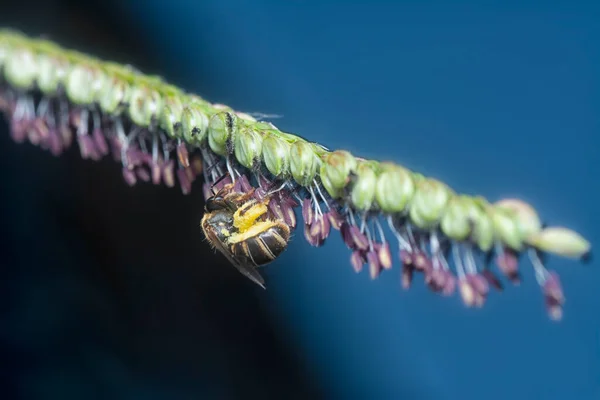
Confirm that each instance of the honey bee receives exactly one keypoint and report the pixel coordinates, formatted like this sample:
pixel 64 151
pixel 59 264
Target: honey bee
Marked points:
pixel 238 225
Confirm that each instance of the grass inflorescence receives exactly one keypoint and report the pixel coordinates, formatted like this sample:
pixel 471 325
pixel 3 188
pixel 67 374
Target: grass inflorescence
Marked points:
pixel 161 134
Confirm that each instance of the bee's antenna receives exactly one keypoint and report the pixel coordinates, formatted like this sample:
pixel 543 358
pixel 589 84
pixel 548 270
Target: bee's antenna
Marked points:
pixel 213 165
pixel 220 179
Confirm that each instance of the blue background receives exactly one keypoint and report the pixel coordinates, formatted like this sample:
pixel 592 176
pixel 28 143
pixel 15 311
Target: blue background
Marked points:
pixel 499 101
pixel 495 100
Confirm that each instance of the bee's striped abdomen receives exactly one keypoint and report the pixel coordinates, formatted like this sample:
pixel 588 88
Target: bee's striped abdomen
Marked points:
pixel 264 247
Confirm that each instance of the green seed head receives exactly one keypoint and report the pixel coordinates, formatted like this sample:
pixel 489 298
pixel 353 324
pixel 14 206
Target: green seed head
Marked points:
pixel 20 68
pixel 364 187
pixel 335 171
pixel 276 155
pixel 170 118
pixel 525 215
pixel 395 187
pixel 194 124
pixel 83 83
pixel 171 115
pixel 456 222
pixel 114 95
pixel 429 202
pixel 144 103
pixel 247 147
pixel 221 127
pixel 561 241
pixel 303 163
pixel 52 70
pixel 5 48
pixel 483 231
pixel 506 227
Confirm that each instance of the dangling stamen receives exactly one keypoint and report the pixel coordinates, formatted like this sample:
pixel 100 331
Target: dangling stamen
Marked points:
pixel 50 117
pixel 351 215
pixel 42 108
pixel 318 187
pixel 403 243
pixel 315 202
pixel 19 109
pixel 434 244
pixel 369 238
pixel 541 273
pixel 411 237
pixel 122 138
pixel 444 262
pixel 82 127
pixel 458 262
pixel 280 188
pixel 30 107
pixel 165 147
pixel 142 144
pixel 363 222
pixel 380 231
pixel 469 259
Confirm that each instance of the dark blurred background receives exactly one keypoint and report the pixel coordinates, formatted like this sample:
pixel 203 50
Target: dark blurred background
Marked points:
pixel 110 292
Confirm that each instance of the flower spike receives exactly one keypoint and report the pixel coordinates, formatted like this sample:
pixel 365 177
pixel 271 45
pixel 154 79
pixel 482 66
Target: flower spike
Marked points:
pixel 53 97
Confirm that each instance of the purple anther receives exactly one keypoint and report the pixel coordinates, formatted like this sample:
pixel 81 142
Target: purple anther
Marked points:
pixel 509 265
pixel 374 265
pixel 492 279
pixel 143 174
pixel 307 211
pixel 184 182
pixel 40 126
pixel 407 275
pixel 100 142
pixel 168 173
pixel 182 155
pixel 385 255
pixel 129 176
pixel 357 260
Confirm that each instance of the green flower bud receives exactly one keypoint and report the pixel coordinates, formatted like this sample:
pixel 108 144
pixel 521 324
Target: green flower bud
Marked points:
pixel 194 124
pixel 364 187
pixel 428 203
pixel 506 228
pixel 395 188
pixel 20 69
pixel 171 111
pixel 561 241
pixel 456 222
pixel 303 163
pixel 247 147
pixel 336 168
pixel 526 217
pixel 144 103
pixel 52 70
pixel 221 127
pixel 276 155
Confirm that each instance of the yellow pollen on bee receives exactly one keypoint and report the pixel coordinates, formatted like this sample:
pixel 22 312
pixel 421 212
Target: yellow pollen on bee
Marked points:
pixel 254 230
pixel 225 232
pixel 245 218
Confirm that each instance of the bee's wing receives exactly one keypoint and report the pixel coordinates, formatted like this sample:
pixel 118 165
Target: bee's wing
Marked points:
pixel 245 269
pixel 248 271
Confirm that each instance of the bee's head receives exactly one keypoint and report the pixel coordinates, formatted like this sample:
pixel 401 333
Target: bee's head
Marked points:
pixel 219 203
